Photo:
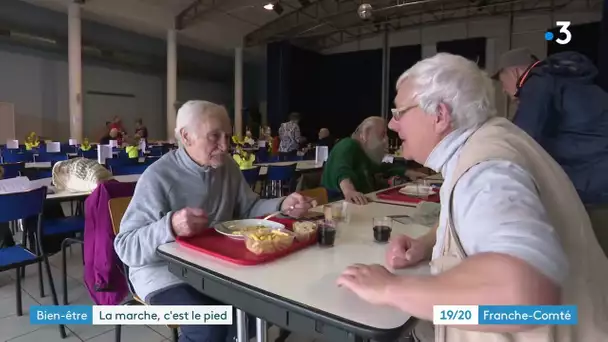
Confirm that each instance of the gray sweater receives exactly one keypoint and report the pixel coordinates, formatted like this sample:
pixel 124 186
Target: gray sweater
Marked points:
pixel 174 182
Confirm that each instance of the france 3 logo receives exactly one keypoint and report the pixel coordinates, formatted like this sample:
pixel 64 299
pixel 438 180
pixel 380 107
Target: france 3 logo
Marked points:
pixel 565 35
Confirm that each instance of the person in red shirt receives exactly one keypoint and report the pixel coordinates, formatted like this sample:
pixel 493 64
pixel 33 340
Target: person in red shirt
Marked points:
pixel 117 124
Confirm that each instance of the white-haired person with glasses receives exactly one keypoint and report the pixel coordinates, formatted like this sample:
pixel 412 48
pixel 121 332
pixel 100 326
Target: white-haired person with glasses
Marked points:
pixel 354 162
pixel 512 229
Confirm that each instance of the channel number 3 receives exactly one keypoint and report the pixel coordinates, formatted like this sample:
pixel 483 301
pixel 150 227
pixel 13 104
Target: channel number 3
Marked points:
pixel 563 25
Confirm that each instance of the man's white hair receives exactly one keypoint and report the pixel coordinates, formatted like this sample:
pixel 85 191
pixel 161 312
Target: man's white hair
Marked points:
pixel 456 82
pixel 190 115
pixel 366 125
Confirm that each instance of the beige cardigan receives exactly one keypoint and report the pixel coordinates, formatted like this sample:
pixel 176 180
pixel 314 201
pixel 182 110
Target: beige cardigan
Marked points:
pixel 587 283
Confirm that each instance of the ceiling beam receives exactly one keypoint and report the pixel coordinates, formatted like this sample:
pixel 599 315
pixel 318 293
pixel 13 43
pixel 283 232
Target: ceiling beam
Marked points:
pixel 399 21
pixel 300 19
pixel 194 12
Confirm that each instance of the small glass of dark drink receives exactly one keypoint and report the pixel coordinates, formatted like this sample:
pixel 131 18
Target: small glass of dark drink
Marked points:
pixel 326 233
pixel 382 229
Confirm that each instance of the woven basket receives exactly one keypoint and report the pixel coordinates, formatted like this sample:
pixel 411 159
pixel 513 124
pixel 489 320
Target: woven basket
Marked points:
pixel 79 174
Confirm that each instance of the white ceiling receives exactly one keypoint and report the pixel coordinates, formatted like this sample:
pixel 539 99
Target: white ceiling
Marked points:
pixel 218 31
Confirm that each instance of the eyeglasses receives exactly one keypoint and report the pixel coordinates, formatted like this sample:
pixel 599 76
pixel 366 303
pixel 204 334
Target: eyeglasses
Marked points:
pixel 399 112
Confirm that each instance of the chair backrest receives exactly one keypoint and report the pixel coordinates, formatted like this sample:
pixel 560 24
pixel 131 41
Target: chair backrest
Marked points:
pixel 112 162
pixel 51 157
pixel 121 170
pixel 281 172
pixel 21 205
pixel 251 175
pixel 15 157
pixel 12 170
pixel 90 154
pixel 319 194
pixel 118 207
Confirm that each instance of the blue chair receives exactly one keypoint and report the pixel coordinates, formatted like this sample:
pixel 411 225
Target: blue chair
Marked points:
pixel 13 170
pixel 119 162
pixel 18 206
pixel 90 154
pixel 278 176
pixel 51 157
pixel 251 176
pixel 150 160
pixel 157 151
pixel 122 170
pixel 13 157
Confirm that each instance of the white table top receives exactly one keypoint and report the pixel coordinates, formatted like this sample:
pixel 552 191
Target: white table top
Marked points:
pixel 309 276
pixel 47 165
pixel 67 195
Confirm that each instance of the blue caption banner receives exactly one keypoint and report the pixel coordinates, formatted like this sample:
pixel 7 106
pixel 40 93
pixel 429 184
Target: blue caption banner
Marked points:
pixel 532 315
pixel 54 314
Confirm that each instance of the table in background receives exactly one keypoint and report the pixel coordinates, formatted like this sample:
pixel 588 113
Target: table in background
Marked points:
pixel 302 166
pixel 65 195
pixel 299 292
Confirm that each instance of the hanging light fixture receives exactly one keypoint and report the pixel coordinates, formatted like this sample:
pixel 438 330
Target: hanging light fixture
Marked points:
pixel 274 6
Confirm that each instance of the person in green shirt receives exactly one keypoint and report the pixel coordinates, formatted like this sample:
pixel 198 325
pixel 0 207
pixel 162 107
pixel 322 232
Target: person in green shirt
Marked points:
pixel 354 162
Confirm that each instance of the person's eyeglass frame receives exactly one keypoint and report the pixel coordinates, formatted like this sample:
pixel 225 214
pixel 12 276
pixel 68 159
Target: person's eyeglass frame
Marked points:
pixel 398 113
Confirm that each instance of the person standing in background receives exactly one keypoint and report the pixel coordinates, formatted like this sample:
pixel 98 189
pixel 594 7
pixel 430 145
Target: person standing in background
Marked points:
pixel 117 124
pixel 289 134
pixel 566 112
pixel 141 130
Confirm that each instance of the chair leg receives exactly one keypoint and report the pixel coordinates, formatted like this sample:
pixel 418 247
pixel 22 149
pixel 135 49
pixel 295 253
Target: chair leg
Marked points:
pixel 64 272
pixel 47 265
pixel 18 294
pixel 40 280
pixel 175 334
pixel 117 333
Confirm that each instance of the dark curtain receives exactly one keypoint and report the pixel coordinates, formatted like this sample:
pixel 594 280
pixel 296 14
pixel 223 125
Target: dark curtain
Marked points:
pixel 402 58
pixel 351 88
pixel 585 38
pixel 603 49
pixel 278 57
pixel 306 75
pixel 470 48
pixel 335 91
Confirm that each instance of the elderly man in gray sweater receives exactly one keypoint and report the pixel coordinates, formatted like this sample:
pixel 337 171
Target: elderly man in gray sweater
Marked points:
pixel 186 191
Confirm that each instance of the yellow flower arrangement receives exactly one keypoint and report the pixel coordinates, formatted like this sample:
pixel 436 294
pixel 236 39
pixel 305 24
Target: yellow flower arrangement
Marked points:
pixel 243 158
pixel 86 145
pixel 32 141
pixel 132 147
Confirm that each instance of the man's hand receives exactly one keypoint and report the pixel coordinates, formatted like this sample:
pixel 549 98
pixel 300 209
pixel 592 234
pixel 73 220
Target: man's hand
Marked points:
pixel 403 251
pixel 369 282
pixel 296 205
pixel 355 197
pixel 189 222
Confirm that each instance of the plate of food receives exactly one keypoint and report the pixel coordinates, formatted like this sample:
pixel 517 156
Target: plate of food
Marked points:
pixel 239 228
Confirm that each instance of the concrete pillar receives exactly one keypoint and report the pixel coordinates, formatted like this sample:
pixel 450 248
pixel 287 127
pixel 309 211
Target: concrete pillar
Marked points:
pixel 171 83
pixel 75 71
pixel 238 91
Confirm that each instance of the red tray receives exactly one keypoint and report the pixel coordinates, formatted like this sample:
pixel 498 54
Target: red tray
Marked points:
pixel 217 245
pixel 394 195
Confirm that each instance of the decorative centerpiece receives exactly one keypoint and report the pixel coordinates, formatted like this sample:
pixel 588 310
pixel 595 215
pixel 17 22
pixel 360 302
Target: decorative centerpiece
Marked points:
pixel 86 145
pixel 243 158
pixel 79 174
pixel 32 141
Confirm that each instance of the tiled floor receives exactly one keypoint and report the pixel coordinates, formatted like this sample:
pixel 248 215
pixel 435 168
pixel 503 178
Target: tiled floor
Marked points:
pixel 18 329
